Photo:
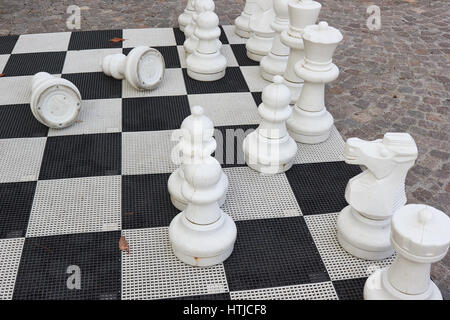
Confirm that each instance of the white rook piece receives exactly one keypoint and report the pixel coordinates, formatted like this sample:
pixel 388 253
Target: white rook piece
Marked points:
pixel 186 17
pixel 143 68
pixel 55 102
pixel 374 195
pixel 251 8
pixel 196 142
pixel 269 149
pixel 310 121
pixel 207 63
pixel 276 61
pixel 301 14
pixel 202 235
pixel 261 40
pixel 421 236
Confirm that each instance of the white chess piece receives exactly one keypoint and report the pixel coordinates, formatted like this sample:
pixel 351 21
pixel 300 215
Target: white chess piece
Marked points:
pixel 202 235
pixel 185 18
pixel 276 61
pixel 55 102
pixel 310 121
pixel 301 14
pixel 207 63
pixel 196 142
pixel 421 236
pixel 143 67
pixel 363 227
pixel 269 149
pixel 251 8
pixel 260 42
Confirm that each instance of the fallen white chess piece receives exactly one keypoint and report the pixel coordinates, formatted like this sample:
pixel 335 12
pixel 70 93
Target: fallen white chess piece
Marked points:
pixel 143 68
pixel 55 102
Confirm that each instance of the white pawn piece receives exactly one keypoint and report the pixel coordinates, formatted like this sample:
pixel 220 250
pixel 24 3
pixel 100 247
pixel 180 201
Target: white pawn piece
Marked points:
pixel 196 142
pixel 251 8
pixel 276 61
pixel 301 14
pixel 363 227
pixel 421 236
pixel 202 235
pixel 207 63
pixel 261 40
pixel 143 68
pixel 55 102
pixel 185 18
pixel 269 149
pixel 311 122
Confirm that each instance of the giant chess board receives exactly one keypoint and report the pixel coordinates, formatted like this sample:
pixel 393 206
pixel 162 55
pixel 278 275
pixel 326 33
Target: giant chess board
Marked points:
pixel 67 196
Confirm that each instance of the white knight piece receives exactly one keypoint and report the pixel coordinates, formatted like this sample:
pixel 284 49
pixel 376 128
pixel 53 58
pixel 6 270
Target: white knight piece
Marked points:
pixel 55 102
pixel 242 23
pixel 363 227
pixel 421 236
pixel 143 67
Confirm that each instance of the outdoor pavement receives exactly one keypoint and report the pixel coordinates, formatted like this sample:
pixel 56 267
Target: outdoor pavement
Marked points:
pixel 392 79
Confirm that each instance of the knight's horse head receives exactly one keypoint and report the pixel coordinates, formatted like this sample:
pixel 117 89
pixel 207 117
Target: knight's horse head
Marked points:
pixel 382 155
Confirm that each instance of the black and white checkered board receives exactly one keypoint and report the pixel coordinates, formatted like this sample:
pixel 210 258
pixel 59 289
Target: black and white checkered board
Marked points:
pixel 66 196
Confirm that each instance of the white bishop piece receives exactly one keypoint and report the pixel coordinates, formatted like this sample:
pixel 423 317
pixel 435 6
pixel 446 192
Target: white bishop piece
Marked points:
pixel 420 235
pixel 301 14
pixel 186 17
pixel 363 227
pixel 143 68
pixel 207 63
pixel 276 61
pixel 310 121
pixel 55 102
pixel 261 40
pixel 269 149
pixel 242 23
pixel 202 234
pixel 196 143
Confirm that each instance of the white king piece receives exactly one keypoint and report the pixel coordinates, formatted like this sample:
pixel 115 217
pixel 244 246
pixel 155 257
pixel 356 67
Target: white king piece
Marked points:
pixel 363 227
pixel 269 149
pixel 242 23
pixel 310 121
pixel 143 67
pixel 55 102
pixel 196 143
pixel 421 236
pixel 261 40
pixel 186 17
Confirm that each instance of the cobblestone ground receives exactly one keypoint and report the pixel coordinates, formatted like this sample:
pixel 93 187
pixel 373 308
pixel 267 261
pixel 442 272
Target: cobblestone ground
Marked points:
pixel 392 79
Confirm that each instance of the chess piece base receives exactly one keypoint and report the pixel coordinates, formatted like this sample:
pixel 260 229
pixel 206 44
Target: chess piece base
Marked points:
pixel 310 127
pixel 202 245
pixel 362 237
pixel 206 67
pixel 377 287
pixel 258 47
pixel 272 65
pixel 206 76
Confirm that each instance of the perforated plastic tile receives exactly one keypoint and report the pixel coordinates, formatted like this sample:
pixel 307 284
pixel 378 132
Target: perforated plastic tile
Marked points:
pixel 231 109
pixel 7 43
pixel 252 75
pixel 310 291
pixel 96 116
pixel 218 296
pixel 146 201
pixel 16 200
pixel 3 60
pixel 20 113
pixel 87 60
pixel 151 271
pixel 10 252
pixel 172 84
pixel 340 264
pixel 233 38
pixel 252 195
pixel 320 187
pixel 148 37
pixel 147 152
pixel 240 52
pixel 95 85
pixel 18 88
pixel 233 81
pixel 257 96
pixel 76 206
pixel 351 289
pixel 83 40
pixel 47 266
pixel 154 113
pixel 20 159
pixel 26 64
pixel 179 36
pixel 273 253
pixel 43 42
pixel 330 150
